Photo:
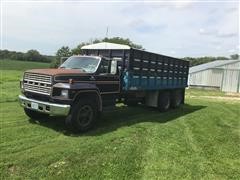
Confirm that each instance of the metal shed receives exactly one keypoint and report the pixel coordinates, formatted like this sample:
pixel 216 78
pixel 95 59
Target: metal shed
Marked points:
pixel 222 74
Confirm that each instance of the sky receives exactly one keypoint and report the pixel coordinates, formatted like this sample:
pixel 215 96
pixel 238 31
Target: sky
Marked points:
pixel 175 28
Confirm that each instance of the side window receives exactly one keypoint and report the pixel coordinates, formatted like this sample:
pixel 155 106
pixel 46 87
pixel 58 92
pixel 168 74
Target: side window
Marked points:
pixel 108 66
pixel 103 67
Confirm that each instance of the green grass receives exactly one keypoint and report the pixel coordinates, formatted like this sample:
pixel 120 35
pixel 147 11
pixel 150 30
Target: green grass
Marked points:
pixel 200 140
pixel 6 64
pixel 199 92
pixel 11 72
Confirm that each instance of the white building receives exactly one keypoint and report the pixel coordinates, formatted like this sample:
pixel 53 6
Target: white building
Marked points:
pixel 222 74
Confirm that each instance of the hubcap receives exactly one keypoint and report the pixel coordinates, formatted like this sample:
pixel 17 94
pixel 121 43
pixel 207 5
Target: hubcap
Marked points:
pixel 85 115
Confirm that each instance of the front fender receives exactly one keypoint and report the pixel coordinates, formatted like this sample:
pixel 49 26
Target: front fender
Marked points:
pixel 78 89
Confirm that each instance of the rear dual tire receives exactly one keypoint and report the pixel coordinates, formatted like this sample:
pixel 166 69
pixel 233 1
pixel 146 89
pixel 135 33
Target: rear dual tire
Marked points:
pixel 163 101
pixel 168 99
pixel 176 98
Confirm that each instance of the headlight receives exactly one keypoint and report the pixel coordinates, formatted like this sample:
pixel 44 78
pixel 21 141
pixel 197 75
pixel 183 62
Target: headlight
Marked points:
pixel 64 93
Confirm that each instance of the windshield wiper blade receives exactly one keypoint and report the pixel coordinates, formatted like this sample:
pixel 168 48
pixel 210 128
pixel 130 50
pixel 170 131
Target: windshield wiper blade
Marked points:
pixel 79 69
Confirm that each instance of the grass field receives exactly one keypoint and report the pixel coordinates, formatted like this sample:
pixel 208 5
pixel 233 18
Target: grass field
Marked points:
pixel 200 140
pixel 10 73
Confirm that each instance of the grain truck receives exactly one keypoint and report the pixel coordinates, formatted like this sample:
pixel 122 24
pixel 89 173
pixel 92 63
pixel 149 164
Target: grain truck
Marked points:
pixel 103 75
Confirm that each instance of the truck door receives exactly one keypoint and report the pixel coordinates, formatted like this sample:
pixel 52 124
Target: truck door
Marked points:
pixel 107 77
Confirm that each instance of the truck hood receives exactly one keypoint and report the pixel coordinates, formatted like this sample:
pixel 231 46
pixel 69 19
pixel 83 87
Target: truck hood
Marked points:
pixel 54 72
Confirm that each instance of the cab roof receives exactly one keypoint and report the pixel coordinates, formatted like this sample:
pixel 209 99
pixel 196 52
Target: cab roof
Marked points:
pixel 106 45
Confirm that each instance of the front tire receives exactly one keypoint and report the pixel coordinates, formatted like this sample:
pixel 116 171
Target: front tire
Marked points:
pixel 34 114
pixel 82 116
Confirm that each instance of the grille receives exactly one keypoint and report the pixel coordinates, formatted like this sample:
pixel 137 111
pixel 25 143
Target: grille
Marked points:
pixel 37 83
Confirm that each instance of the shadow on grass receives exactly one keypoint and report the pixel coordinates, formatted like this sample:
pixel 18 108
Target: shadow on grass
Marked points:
pixel 120 117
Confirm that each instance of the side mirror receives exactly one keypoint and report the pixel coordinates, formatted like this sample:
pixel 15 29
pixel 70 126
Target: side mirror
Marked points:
pixel 113 67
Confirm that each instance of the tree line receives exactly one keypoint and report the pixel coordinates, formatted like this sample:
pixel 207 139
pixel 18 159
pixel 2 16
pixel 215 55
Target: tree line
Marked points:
pixel 201 60
pixel 65 51
pixel 31 55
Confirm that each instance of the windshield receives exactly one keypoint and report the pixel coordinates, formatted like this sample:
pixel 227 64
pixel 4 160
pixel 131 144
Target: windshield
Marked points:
pixel 86 64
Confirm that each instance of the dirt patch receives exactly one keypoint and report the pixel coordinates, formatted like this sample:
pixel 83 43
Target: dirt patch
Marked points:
pixel 233 94
pixel 12 169
pixel 223 97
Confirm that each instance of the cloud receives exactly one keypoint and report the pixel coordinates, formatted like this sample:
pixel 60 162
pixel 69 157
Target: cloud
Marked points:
pixel 217 33
pixel 218 47
pixel 142 26
pixel 227 25
pixel 182 4
pixel 231 10
pixel 183 27
pixel 232 50
pixel 227 35
pixel 173 52
pixel 204 31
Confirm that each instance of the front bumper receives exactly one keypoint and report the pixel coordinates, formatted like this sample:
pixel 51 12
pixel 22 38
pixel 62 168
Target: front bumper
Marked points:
pixel 44 107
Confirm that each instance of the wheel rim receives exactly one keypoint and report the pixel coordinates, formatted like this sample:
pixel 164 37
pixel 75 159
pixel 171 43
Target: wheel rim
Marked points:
pixel 85 115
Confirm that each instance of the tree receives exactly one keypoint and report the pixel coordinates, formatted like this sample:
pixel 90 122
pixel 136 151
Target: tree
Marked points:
pixel 33 55
pixel 4 54
pixel 64 51
pixel 20 56
pixel 221 58
pixel 235 56
pixel 120 40
pixel 78 50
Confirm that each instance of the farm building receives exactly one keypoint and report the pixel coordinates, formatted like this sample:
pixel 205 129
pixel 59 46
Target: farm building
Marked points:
pixel 222 74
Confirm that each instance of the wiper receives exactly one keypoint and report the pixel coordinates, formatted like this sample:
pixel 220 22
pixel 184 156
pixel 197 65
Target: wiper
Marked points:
pixel 62 67
pixel 79 69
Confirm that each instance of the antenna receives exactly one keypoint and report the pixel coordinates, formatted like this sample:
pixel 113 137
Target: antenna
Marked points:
pixel 106 37
pixel 107 32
